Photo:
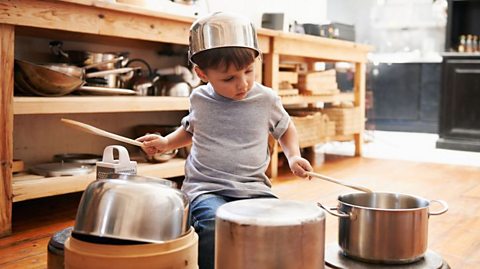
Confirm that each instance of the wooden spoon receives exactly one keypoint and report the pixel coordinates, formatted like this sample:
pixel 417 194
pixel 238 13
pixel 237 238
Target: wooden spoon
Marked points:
pixel 94 130
pixel 358 188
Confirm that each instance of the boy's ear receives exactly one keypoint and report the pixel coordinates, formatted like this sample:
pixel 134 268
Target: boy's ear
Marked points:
pixel 201 74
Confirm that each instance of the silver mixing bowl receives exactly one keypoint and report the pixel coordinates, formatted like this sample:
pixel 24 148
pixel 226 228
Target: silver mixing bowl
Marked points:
pixel 222 29
pixel 133 208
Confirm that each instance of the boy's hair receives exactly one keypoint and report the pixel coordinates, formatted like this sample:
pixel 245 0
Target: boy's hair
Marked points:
pixel 225 57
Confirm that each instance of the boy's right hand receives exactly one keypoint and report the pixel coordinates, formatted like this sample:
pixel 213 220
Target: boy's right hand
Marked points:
pixel 153 144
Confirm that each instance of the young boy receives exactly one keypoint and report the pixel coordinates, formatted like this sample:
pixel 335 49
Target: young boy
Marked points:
pixel 228 125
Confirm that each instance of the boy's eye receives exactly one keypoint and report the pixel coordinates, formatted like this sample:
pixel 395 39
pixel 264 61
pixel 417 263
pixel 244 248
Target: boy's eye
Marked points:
pixel 228 79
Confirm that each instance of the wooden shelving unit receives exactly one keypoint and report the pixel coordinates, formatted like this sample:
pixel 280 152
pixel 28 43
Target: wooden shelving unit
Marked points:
pixel 97 104
pixel 28 186
pixel 104 21
pixel 303 99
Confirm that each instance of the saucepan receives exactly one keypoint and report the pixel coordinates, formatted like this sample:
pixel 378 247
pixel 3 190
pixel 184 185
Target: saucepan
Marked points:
pixel 86 58
pixel 382 227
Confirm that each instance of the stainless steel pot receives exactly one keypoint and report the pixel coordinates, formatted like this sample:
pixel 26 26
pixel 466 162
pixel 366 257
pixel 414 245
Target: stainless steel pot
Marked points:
pixel 108 60
pixel 387 228
pixel 133 208
pixel 269 233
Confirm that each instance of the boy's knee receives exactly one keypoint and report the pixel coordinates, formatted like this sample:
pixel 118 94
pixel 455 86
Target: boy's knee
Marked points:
pixel 205 226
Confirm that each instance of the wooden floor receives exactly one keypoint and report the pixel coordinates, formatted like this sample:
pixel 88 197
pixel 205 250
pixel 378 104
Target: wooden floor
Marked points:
pixel 455 235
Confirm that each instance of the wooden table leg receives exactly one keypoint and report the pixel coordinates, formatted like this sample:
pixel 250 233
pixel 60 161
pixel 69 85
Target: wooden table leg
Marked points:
pixel 359 95
pixel 271 63
pixel 7 35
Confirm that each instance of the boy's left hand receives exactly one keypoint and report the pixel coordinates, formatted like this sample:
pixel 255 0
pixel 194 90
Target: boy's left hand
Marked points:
pixel 300 166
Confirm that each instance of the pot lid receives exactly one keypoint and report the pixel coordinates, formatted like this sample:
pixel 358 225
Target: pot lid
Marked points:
pixel 270 212
pixel 83 158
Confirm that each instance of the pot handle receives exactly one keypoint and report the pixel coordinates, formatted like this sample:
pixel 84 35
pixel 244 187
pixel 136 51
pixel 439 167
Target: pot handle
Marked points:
pixel 331 212
pixel 441 211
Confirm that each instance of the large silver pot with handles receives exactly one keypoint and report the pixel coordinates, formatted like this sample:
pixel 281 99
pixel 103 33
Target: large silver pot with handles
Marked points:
pixel 388 228
pixel 132 208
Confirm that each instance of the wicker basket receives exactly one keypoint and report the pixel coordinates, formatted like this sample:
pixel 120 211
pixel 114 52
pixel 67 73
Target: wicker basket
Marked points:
pixel 312 128
pixel 347 120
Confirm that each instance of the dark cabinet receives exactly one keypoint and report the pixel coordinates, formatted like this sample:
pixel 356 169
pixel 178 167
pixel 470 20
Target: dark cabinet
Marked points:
pixel 405 96
pixel 460 103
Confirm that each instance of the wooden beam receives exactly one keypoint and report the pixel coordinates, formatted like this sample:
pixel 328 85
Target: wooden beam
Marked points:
pixel 271 79
pixel 7 35
pixel 91 17
pixel 98 104
pixel 359 101
pixel 321 49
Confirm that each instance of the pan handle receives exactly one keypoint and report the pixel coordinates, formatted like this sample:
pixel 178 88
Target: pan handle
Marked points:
pixel 335 213
pixel 441 211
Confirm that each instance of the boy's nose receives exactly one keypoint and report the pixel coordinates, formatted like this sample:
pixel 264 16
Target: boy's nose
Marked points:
pixel 243 84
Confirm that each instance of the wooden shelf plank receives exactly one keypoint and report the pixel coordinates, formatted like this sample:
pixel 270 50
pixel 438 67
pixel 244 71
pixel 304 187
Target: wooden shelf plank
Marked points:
pixel 338 138
pixel 97 104
pixel 320 48
pixel 309 99
pixel 27 186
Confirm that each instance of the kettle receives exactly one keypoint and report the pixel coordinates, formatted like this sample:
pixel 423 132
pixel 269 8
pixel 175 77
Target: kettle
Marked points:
pixel 143 83
pixel 177 81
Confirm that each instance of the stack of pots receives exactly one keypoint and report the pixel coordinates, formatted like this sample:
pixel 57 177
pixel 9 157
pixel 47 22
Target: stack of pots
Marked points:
pixel 129 221
pixel 83 58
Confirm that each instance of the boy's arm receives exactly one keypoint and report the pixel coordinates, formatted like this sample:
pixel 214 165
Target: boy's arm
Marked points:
pixel 289 143
pixel 153 143
pixel 178 138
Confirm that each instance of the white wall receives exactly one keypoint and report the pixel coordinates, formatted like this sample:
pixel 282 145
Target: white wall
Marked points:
pixel 352 12
pixel 395 26
pixel 303 11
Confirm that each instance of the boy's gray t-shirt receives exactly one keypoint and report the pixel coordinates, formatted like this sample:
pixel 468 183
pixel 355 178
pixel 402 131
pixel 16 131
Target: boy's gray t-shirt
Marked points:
pixel 229 154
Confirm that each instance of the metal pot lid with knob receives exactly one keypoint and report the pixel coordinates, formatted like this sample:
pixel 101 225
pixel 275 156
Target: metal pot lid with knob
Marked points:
pixel 133 208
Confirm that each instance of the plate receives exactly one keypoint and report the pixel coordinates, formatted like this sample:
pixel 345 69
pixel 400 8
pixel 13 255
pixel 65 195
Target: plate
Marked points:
pixel 61 169
pixel 105 91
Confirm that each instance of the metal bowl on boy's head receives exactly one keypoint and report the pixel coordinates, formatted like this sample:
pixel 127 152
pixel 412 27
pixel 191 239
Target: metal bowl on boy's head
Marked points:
pixel 219 30
pixel 132 208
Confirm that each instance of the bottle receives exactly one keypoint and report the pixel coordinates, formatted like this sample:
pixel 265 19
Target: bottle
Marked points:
pixel 475 43
pixel 468 44
pixel 461 46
